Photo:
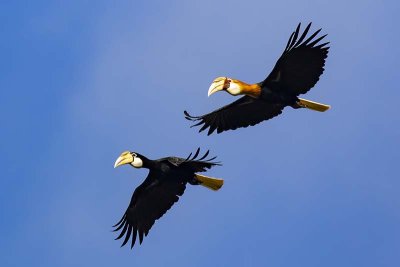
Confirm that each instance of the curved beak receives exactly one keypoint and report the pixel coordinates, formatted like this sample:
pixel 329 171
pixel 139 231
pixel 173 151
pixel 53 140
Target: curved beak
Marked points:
pixel 125 158
pixel 217 85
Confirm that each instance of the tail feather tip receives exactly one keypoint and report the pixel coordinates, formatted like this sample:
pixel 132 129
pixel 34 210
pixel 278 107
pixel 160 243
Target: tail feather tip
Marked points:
pixel 209 182
pixel 313 105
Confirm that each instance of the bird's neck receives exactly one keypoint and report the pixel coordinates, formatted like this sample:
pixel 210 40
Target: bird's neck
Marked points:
pixel 253 90
pixel 148 163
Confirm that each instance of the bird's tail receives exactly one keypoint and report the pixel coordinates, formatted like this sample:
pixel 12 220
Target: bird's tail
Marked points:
pixel 209 182
pixel 304 103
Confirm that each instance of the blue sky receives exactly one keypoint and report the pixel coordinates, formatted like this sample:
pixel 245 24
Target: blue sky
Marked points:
pixel 81 82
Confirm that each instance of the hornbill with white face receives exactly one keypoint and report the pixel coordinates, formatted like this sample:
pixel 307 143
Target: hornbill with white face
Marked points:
pixel 163 186
pixel 296 72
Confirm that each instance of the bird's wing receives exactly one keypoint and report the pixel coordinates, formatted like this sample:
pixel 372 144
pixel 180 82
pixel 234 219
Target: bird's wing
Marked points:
pixel 149 202
pixel 243 112
pixel 301 64
pixel 195 162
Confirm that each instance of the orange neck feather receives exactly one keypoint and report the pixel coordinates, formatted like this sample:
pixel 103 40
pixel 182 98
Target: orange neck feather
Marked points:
pixel 253 90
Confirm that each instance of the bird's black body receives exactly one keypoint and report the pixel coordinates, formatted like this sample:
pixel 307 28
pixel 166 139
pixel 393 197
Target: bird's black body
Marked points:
pixel 297 70
pixel 165 183
pixel 273 96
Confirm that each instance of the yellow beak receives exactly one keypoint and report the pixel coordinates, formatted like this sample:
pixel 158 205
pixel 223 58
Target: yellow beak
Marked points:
pixel 125 158
pixel 217 85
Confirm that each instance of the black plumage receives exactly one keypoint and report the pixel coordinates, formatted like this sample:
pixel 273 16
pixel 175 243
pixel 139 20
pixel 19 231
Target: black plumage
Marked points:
pixel 297 70
pixel 165 183
pixel 300 65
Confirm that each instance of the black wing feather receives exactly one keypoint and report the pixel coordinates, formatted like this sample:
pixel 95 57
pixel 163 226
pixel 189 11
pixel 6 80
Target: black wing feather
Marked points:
pixel 244 112
pixel 151 200
pixel 196 154
pixel 296 34
pixel 301 64
pixel 193 164
pixel 205 155
pixel 303 35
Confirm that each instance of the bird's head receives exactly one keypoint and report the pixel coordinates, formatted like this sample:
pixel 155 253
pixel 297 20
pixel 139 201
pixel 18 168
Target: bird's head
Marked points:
pixel 131 158
pixel 232 86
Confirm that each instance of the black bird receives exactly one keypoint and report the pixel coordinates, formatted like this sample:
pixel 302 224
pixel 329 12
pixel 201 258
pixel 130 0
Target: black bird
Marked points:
pixel 163 186
pixel 296 72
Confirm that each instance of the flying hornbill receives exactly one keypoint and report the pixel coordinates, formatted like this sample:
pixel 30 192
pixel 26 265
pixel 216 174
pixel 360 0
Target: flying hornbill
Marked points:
pixel 163 186
pixel 296 72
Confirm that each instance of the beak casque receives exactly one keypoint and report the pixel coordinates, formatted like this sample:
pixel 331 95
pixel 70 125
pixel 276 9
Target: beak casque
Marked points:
pixel 125 158
pixel 217 85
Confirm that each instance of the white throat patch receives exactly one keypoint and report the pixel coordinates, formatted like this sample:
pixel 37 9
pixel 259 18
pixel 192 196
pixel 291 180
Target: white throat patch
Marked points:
pixel 233 89
pixel 137 162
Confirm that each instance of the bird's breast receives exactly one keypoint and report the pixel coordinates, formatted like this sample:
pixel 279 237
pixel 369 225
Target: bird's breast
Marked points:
pixel 279 95
pixel 165 170
pixel 269 95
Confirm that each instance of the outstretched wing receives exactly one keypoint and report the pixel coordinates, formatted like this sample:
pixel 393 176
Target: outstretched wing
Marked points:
pixel 246 111
pixel 149 202
pixel 301 64
pixel 194 163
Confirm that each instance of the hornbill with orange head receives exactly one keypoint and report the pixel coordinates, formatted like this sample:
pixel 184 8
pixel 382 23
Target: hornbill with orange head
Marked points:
pixel 296 72
pixel 163 186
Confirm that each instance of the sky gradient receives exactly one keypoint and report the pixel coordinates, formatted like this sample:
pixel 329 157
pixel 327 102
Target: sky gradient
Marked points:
pixel 82 82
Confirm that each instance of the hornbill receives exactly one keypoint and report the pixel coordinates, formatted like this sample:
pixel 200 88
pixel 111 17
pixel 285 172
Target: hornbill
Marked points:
pixel 297 70
pixel 163 186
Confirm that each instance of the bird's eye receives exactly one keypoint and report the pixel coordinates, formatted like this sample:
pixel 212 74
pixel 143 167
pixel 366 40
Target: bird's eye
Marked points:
pixel 134 155
pixel 227 83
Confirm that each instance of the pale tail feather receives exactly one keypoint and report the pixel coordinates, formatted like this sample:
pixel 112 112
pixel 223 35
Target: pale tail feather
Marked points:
pixel 209 182
pixel 313 105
